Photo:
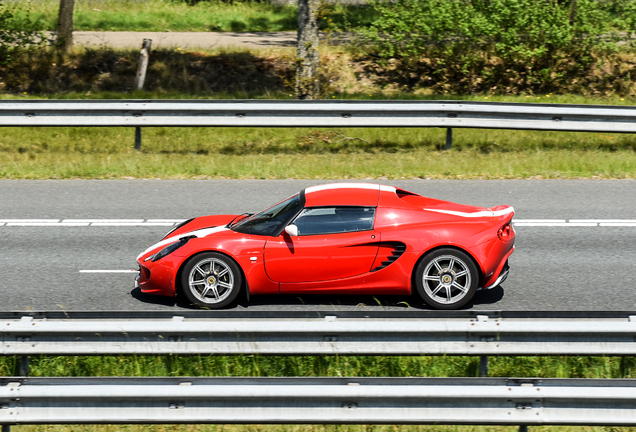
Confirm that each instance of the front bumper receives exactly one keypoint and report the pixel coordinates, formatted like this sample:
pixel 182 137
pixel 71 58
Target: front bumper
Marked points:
pixel 157 278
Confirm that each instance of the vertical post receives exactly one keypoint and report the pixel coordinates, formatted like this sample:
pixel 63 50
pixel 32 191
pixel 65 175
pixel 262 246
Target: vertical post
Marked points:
pixel 483 366
pixel 523 428
pixel 449 138
pixel 140 78
pixel 143 64
pixel 307 57
pixel 24 365
pixel 138 138
pixel 65 26
pixel 6 428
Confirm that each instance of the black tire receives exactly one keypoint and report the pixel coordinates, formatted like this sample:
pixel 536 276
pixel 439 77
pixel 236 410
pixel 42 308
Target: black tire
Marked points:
pixel 211 280
pixel 446 278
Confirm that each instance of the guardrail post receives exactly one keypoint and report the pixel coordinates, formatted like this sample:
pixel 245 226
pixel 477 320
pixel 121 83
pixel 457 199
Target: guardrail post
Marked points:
pixel 523 428
pixel 24 366
pixel 6 428
pixel 138 138
pixel 483 366
pixel 449 138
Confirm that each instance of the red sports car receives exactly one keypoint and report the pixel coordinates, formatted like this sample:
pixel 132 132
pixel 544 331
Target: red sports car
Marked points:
pixel 342 238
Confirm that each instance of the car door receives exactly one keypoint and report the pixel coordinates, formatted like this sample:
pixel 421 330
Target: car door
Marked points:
pixel 332 243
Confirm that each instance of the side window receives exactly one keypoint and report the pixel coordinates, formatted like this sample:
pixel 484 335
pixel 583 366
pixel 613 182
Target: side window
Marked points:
pixel 333 220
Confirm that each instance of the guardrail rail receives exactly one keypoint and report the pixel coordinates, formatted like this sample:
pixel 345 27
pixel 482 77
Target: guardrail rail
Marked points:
pixel 287 113
pixel 500 401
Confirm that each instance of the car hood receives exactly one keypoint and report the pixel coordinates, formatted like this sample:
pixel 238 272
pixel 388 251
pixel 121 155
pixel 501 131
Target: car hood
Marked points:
pixel 198 227
pixel 200 223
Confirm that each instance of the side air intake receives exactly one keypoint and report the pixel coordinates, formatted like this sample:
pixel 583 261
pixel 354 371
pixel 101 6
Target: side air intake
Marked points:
pixel 390 252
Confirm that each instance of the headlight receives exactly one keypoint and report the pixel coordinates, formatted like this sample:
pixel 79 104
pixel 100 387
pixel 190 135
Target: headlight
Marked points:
pixel 169 249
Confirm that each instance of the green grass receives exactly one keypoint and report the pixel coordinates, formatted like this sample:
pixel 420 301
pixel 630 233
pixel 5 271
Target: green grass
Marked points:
pixel 329 366
pixel 33 153
pixel 167 15
pixel 326 366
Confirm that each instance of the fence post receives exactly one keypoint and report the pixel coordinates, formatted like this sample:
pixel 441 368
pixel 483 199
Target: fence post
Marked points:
pixel 144 54
pixel 24 365
pixel 449 138
pixel 483 366
pixel 6 428
pixel 143 64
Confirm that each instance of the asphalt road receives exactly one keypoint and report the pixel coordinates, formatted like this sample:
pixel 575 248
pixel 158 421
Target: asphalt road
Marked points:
pixel 553 268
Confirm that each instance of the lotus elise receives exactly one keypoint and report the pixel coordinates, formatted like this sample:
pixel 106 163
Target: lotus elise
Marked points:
pixel 340 238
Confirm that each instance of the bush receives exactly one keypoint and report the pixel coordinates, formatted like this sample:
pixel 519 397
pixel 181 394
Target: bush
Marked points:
pixel 18 32
pixel 505 46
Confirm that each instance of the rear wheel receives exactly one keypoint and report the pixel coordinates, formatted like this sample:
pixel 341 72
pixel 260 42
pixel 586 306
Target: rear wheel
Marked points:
pixel 211 280
pixel 446 278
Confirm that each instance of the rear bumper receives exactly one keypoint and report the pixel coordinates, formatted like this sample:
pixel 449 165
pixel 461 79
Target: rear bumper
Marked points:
pixel 501 278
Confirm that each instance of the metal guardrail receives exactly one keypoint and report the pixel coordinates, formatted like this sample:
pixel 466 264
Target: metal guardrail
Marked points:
pixel 491 401
pixel 284 113
pixel 220 334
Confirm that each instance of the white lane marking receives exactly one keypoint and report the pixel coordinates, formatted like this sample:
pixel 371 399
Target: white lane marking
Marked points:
pixel 553 224
pixel 604 220
pixel 170 221
pixel 130 224
pixel 47 224
pixel 104 220
pixel 109 271
pixel 515 220
pixel 28 220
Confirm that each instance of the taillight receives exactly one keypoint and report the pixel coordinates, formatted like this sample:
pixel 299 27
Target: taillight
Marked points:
pixel 505 232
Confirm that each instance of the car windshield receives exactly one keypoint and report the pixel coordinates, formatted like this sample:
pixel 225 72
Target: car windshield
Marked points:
pixel 270 221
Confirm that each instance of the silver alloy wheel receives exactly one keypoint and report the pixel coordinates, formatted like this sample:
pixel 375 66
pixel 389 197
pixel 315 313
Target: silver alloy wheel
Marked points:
pixel 211 281
pixel 446 279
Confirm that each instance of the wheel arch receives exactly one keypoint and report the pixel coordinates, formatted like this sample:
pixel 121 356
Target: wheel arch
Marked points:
pixel 178 289
pixel 433 249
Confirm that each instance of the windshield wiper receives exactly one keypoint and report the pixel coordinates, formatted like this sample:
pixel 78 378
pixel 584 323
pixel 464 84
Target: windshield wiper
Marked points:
pixel 232 223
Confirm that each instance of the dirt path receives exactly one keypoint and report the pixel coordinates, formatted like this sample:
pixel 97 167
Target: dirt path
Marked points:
pixel 185 40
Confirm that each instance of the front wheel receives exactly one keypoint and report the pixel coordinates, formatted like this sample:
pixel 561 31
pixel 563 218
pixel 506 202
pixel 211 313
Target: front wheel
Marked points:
pixel 211 280
pixel 446 278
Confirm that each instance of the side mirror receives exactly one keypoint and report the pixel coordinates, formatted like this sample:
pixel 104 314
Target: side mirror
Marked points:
pixel 292 230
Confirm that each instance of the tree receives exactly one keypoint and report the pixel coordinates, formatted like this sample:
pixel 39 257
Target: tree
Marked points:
pixel 65 26
pixel 307 61
pixel 18 32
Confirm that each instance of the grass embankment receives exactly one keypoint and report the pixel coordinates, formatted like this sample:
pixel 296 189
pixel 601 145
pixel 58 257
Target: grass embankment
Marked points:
pixel 166 15
pixel 299 153
pixel 280 153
